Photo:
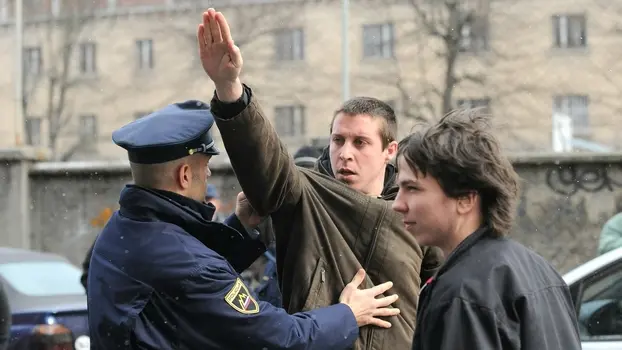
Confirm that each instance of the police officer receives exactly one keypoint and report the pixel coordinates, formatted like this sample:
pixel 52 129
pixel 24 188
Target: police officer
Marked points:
pixel 164 276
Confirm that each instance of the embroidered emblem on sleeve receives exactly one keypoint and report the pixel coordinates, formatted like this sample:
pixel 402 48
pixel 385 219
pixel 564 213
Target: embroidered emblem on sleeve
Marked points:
pixel 241 300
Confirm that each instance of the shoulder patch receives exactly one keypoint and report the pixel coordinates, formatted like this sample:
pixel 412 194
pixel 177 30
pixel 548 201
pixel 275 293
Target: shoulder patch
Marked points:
pixel 241 300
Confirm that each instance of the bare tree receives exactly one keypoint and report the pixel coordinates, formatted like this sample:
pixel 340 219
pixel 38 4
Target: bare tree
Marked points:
pixel 450 37
pixel 50 79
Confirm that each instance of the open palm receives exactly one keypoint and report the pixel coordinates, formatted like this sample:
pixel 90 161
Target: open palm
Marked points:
pixel 220 58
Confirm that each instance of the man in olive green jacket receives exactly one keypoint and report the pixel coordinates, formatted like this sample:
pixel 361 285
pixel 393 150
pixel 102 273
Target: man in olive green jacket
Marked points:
pixel 326 227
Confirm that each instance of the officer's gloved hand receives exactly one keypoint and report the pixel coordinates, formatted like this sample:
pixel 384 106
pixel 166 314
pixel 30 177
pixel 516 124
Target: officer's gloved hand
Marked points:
pixel 245 212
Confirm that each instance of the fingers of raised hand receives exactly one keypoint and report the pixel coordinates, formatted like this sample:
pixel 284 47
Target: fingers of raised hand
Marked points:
pixel 224 28
pixel 214 26
pixel 206 36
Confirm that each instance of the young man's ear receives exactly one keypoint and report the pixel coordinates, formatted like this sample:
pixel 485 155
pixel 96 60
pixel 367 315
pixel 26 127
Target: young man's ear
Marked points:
pixel 391 150
pixel 468 202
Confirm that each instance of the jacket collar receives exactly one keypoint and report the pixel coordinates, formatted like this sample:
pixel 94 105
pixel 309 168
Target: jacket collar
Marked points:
pixel 388 192
pixel 158 205
pixel 463 248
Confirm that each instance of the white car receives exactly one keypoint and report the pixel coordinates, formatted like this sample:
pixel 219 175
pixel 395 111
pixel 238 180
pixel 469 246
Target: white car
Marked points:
pixel 596 289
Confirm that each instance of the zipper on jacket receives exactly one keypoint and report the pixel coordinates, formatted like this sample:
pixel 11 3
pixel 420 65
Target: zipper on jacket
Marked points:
pixel 372 249
pixel 322 275
pixel 374 239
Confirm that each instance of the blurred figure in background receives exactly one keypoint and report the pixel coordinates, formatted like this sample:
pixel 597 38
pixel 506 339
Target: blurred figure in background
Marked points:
pixel 5 319
pixel 211 196
pixel 611 235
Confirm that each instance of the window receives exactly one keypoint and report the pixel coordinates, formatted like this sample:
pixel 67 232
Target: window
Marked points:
pixel 88 62
pixel 289 45
pixel 43 278
pixel 569 31
pixel 145 53
pixel 576 107
pixel 290 120
pixel 88 127
pixel 33 131
pixel 4 10
pixel 32 61
pixel 600 306
pixel 475 103
pixel 55 7
pixel 378 40
pixel 474 36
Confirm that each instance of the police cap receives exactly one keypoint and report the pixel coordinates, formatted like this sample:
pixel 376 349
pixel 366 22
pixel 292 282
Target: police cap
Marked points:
pixel 173 132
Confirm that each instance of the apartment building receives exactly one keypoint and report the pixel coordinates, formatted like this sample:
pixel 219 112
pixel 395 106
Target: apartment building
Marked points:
pixel 526 61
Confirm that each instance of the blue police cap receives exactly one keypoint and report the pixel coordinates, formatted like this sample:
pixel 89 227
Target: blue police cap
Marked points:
pixel 173 132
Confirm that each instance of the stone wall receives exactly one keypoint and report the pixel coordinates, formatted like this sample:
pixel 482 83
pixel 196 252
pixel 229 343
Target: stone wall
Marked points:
pixel 565 200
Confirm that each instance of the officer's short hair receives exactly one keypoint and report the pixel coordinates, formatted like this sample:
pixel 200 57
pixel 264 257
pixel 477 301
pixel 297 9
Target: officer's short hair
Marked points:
pixel 162 175
pixel 375 108
pixel 462 153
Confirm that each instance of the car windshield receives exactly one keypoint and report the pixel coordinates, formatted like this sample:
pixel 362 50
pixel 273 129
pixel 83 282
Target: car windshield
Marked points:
pixel 43 278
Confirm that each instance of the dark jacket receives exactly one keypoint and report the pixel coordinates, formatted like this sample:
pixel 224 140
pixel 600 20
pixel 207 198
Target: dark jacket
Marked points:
pixel 493 293
pixel 163 276
pixel 5 319
pixel 85 267
pixel 325 231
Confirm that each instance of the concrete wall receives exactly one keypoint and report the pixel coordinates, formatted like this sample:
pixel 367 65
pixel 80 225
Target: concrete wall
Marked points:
pixel 61 207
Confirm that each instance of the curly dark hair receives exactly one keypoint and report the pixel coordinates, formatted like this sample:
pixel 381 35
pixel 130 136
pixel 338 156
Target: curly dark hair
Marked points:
pixel 463 155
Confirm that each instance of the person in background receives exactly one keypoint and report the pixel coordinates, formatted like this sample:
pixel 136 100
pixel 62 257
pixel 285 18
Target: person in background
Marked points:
pixel 458 191
pixel 611 235
pixel 5 319
pixel 212 196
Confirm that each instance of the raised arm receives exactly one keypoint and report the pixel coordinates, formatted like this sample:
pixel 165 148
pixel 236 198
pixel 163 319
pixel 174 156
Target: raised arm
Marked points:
pixel 264 168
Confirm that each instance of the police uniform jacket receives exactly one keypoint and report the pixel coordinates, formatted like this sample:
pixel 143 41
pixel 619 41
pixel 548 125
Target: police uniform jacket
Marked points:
pixel 157 281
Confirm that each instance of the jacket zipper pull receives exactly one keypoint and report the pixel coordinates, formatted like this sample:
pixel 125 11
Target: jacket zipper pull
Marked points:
pixel 322 275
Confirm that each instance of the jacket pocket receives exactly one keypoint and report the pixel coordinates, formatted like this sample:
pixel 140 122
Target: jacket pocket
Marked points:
pixel 317 292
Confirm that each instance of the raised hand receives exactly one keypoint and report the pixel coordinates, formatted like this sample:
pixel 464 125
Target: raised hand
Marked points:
pixel 364 304
pixel 221 59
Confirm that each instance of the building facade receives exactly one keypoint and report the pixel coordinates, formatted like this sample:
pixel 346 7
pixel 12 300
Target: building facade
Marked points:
pixel 88 71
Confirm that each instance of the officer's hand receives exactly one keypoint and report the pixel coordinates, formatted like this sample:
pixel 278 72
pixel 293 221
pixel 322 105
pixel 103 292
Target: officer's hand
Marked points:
pixel 221 59
pixel 245 212
pixel 363 302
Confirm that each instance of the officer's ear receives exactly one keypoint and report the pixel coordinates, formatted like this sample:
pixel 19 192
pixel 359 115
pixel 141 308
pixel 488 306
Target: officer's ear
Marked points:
pixel 184 175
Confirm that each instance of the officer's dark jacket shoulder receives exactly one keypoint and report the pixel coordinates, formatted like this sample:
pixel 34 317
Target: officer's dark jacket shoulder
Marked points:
pixel 494 293
pixel 154 285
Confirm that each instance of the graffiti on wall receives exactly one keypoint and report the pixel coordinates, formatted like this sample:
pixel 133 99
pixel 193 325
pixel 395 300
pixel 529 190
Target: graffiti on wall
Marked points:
pixel 570 179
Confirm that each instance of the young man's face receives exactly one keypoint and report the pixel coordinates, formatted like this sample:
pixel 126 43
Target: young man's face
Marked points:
pixel 357 155
pixel 427 212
